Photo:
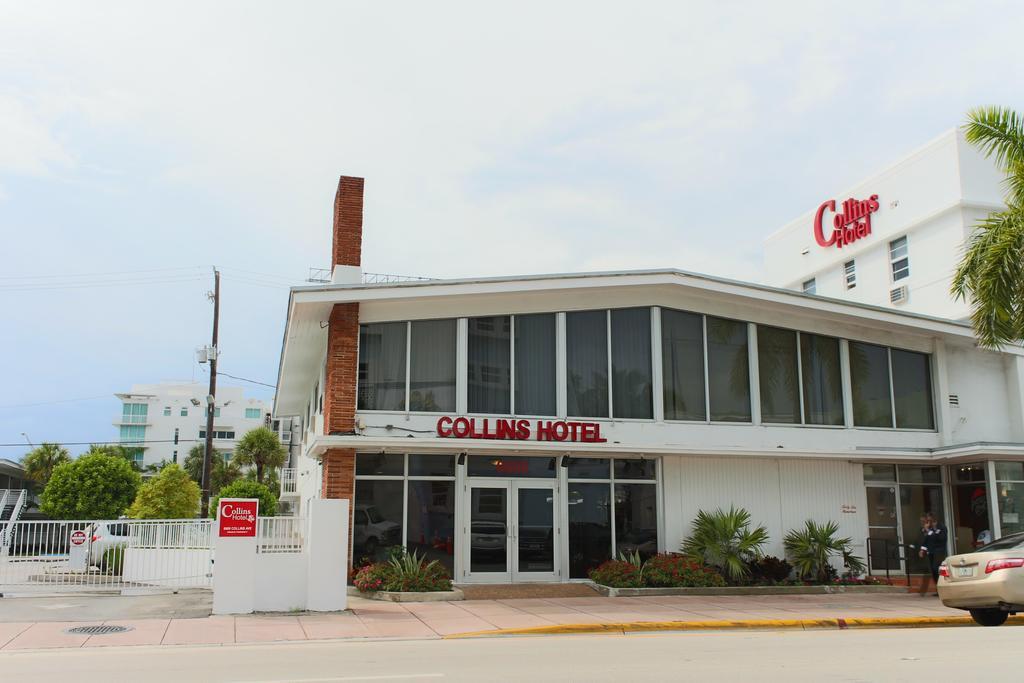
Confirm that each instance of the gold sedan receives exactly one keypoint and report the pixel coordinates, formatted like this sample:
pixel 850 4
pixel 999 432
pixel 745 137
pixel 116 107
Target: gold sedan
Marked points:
pixel 989 582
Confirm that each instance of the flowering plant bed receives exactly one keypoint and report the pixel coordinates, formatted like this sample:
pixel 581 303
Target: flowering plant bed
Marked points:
pixel 403 573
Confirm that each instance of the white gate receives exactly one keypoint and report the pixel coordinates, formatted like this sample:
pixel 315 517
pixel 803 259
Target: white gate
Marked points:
pixel 106 555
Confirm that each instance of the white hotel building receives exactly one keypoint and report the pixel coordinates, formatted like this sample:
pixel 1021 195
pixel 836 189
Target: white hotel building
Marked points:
pixel 525 428
pixel 162 422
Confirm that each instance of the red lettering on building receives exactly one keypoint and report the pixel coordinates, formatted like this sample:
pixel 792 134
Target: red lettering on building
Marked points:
pixel 505 429
pixel 848 225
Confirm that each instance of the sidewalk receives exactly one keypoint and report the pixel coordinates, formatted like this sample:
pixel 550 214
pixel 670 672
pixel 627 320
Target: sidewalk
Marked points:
pixel 375 619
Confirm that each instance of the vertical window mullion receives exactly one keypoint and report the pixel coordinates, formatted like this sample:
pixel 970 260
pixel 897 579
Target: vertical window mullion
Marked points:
pixel 408 361
pixel 405 501
pixel 611 499
pixel 608 330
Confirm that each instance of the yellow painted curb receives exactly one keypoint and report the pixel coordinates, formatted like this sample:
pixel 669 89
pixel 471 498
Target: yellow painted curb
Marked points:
pixel 635 626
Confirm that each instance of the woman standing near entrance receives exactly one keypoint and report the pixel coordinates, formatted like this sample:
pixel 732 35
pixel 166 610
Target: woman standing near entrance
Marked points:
pixel 932 547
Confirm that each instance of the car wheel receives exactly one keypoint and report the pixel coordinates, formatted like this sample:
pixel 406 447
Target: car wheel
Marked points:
pixel 989 617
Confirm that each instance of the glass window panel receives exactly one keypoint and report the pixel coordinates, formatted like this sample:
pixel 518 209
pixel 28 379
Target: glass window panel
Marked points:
pixel 431 465
pixel 629 468
pixel 879 472
pixel 488 529
pixel 777 369
pixel 589 468
pixel 1013 471
pixel 536 530
pixel 631 363
pixel 972 525
pixel 489 371
pixel 1011 508
pixel 920 474
pixel 390 464
pixel 376 519
pixel 431 523
pixel 966 474
pixel 869 376
pixel 587 363
pixel 535 364
pixel 510 466
pixel 823 388
pixel 912 389
pixel 914 502
pixel 382 366
pixel 590 529
pixel 682 362
pixel 432 366
pixel 636 519
pixel 728 370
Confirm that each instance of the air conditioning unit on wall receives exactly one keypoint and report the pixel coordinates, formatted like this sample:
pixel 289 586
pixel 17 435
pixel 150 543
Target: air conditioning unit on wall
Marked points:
pixel 898 295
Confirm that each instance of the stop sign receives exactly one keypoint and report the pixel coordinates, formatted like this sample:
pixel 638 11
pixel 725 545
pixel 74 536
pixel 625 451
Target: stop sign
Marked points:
pixel 78 537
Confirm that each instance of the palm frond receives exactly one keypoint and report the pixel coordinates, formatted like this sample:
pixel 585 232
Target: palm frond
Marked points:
pixel 998 132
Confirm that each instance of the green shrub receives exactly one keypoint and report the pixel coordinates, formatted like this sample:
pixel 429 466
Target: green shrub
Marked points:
pixel 669 570
pixel 404 572
pixel 171 494
pixel 112 561
pixel 617 574
pixel 725 541
pixel 93 486
pixel 811 548
pixel 243 488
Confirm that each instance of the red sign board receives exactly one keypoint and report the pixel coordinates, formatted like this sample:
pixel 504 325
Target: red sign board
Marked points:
pixel 237 518
pixel 519 430
pixel 78 537
pixel 849 225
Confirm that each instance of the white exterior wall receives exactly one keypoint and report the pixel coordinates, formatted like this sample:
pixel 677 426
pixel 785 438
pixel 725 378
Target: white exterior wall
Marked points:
pixel 160 428
pixel 934 196
pixel 780 494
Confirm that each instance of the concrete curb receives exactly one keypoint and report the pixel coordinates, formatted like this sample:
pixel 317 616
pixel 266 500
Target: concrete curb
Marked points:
pixel 853 589
pixel 719 625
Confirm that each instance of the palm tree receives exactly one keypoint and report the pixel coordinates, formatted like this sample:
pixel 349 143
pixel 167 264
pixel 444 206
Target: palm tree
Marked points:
pixel 262 449
pixel 991 272
pixel 40 462
pixel 222 472
pixel 810 549
pixel 724 539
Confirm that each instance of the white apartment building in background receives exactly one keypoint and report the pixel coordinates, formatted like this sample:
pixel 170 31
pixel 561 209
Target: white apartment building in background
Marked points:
pixel 162 422
pixel 895 239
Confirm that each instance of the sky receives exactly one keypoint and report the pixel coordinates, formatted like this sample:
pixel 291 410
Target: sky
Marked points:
pixel 143 143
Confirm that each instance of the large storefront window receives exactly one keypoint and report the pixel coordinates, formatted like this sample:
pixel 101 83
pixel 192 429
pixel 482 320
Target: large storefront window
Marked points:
pixel 682 362
pixel 586 362
pixel 1010 485
pixel 612 510
pixel 631 363
pixel 971 524
pixel 489 374
pixel 890 387
pixel 535 364
pixel 728 370
pixel 432 366
pixel 404 500
pixel 382 366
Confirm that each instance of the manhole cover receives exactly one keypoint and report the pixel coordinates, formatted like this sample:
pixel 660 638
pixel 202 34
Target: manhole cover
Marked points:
pixel 96 630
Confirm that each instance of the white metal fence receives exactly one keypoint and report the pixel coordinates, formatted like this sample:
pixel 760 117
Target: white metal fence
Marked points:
pixel 289 481
pixel 113 555
pixel 280 535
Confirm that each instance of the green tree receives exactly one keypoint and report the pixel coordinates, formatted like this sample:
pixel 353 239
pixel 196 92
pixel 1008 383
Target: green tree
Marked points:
pixel 244 488
pixel 40 462
pixel 115 451
pixel 726 541
pixel 221 473
pixel 171 494
pixel 94 486
pixel 991 271
pixel 262 449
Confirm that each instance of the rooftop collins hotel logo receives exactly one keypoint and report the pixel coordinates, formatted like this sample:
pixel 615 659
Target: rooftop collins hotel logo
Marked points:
pixel 848 225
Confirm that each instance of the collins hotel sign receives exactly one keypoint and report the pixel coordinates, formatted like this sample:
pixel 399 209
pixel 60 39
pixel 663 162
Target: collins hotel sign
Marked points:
pixel 850 223
pixel 519 430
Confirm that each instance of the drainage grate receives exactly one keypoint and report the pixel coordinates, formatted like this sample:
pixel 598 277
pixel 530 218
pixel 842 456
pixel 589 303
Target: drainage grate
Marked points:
pixel 96 630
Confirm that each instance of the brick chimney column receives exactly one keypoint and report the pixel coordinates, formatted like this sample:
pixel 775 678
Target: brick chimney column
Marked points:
pixel 338 480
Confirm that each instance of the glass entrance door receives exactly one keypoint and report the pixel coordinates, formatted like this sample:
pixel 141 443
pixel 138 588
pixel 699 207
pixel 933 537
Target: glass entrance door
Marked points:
pixel 513 531
pixel 883 529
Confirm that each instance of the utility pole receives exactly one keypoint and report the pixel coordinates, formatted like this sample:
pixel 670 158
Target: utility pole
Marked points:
pixel 211 399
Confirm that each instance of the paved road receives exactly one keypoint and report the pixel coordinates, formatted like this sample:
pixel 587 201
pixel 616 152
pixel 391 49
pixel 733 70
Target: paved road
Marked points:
pixel 869 655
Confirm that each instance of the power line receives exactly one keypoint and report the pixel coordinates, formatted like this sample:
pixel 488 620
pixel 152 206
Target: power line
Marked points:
pixel 126 444
pixel 115 272
pixel 243 379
